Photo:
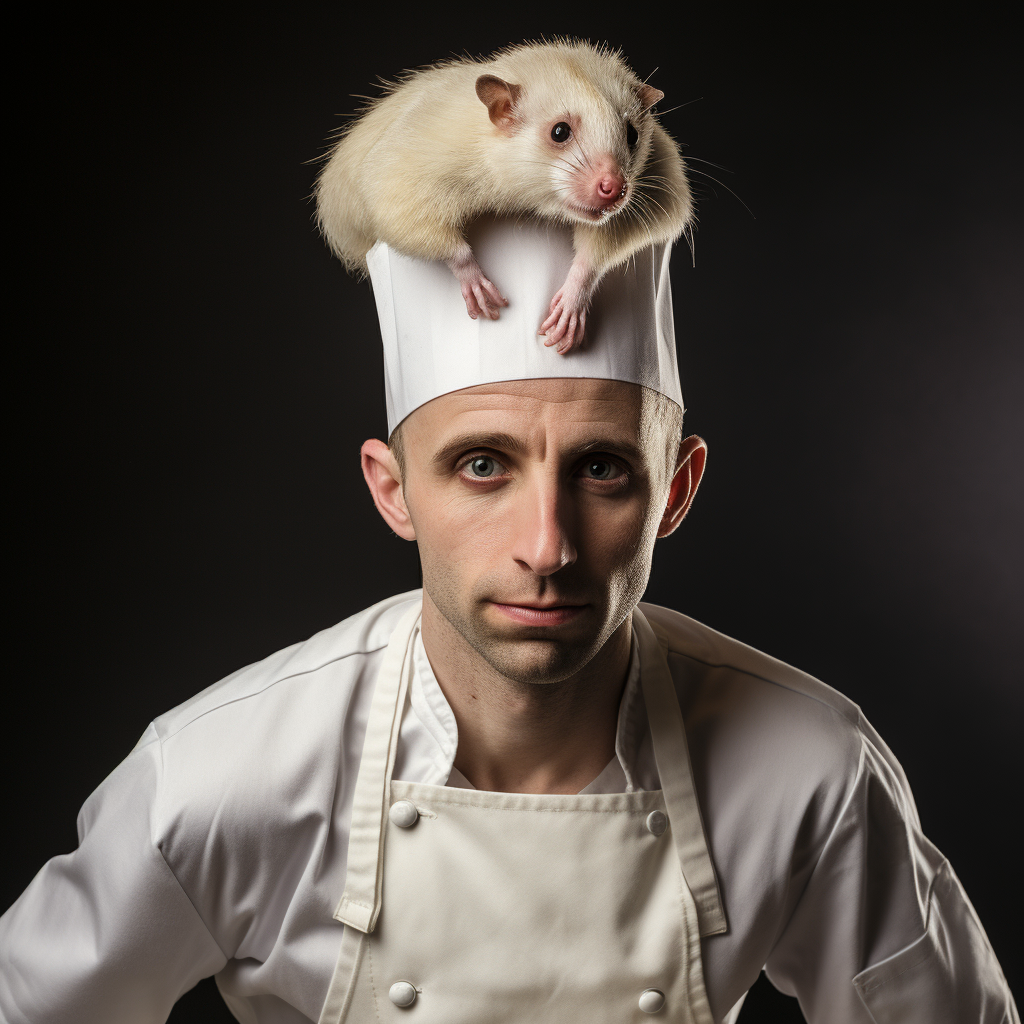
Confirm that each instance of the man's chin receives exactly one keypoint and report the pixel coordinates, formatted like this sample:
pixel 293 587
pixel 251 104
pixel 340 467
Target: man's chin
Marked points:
pixel 527 648
pixel 538 659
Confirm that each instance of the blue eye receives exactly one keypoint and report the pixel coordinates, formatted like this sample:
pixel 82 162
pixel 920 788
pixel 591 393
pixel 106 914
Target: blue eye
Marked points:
pixel 599 469
pixel 483 466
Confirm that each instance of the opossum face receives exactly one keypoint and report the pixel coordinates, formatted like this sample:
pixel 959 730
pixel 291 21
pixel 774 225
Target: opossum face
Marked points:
pixel 575 144
pixel 597 151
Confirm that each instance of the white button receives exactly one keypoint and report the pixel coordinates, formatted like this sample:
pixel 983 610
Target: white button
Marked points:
pixel 404 994
pixel 651 1000
pixel 403 814
pixel 656 823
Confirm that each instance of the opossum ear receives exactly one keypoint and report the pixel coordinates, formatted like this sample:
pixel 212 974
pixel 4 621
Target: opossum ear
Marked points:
pixel 649 96
pixel 500 98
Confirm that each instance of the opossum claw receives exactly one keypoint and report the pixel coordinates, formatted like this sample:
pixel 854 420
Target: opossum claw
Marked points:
pixel 564 325
pixel 574 333
pixel 481 297
pixel 554 312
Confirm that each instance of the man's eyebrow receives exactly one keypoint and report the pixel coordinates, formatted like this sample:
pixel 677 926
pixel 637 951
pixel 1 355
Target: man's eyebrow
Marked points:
pixel 498 441
pixel 627 450
pixel 464 442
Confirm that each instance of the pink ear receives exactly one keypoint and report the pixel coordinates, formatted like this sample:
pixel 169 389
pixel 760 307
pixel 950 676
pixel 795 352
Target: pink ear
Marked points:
pixel 500 98
pixel 649 96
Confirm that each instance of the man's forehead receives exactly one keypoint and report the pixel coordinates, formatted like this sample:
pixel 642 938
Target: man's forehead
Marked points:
pixel 572 401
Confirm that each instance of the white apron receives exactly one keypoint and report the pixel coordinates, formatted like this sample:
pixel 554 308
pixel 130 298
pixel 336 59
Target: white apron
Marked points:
pixel 512 907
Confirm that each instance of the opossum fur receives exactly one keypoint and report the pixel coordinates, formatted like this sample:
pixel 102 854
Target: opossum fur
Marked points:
pixel 427 156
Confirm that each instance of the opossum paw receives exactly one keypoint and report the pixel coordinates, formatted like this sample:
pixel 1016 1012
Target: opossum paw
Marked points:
pixel 482 298
pixel 565 324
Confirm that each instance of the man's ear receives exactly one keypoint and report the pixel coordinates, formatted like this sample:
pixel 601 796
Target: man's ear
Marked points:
pixel 384 478
pixel 693 453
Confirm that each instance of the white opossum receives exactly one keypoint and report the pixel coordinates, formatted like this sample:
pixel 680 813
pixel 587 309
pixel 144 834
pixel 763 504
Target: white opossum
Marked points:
pixel 560 129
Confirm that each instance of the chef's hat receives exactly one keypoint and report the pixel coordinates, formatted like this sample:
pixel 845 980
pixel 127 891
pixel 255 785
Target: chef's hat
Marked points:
pixel 432 346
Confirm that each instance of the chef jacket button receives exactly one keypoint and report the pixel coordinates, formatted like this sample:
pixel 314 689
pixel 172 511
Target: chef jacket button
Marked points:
pixel 651 1000
pixel 404 815
pixel 656 823
pixel 402 993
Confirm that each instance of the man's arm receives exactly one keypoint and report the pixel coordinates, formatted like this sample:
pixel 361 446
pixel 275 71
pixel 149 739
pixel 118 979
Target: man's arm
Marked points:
pixel 884 932
pixel 106 935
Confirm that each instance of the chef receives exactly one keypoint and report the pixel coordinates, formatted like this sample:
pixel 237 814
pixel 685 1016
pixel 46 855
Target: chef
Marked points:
pixel 518 794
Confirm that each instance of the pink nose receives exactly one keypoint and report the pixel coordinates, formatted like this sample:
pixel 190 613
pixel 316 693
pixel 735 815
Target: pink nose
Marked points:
pixel 609 188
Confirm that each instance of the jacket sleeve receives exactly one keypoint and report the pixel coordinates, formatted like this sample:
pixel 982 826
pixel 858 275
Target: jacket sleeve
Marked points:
pixel 105 935
pixel 884 932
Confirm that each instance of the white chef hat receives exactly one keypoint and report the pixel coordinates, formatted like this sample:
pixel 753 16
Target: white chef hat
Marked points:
pixel 432 346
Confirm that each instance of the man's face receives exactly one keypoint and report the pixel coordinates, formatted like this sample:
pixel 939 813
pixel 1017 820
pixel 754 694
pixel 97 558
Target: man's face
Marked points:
pixel 536 505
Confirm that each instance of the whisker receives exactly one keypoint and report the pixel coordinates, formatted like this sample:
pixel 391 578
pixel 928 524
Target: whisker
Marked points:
pixel 679 106
pixel 578 163
pixel 658 186
pixel 710 164
pixel 645 217
pixel 582 152
pixel 688 235
pixel 658 205
pixel 726 187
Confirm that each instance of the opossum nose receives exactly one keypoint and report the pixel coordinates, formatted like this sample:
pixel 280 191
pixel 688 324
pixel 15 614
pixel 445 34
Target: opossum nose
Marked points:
pixel 609 188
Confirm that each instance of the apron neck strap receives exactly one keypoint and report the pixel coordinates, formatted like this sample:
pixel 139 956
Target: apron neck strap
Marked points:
pixel 672 755
pixel 361 900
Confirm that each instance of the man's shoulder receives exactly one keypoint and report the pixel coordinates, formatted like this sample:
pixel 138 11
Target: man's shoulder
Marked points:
pixel 329 661
pixel 751 716
pixel 708 650
pixel 236 763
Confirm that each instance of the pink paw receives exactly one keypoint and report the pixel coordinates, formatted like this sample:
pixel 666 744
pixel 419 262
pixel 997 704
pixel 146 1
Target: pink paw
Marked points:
pixel 566 321
pixel 482 298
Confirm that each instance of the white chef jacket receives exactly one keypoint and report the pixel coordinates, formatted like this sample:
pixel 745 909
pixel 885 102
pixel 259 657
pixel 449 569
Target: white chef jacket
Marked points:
pixel 218 846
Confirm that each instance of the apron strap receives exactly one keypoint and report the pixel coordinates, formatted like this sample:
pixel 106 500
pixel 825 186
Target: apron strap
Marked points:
pixel 672 756
pixel 361 900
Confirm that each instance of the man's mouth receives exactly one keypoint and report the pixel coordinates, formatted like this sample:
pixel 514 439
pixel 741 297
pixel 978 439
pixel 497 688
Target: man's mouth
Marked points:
pixel 539 613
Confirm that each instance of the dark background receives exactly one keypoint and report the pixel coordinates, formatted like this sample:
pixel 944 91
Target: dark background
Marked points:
pixel 193 376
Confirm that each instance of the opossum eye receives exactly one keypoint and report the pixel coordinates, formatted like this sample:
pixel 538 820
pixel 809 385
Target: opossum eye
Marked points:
pixel 561 132
pixel 632 135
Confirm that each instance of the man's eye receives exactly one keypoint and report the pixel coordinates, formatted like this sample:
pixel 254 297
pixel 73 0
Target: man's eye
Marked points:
pixel 483 467
pixel 600 469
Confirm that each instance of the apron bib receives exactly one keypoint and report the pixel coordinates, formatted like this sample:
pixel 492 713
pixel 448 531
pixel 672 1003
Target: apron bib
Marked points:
pixel 514 907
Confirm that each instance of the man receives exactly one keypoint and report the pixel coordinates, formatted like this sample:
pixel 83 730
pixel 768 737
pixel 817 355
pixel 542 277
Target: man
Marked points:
pixel 518 795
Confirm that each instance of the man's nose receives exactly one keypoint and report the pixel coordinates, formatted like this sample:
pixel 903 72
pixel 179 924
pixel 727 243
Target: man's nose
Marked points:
pixel 542 541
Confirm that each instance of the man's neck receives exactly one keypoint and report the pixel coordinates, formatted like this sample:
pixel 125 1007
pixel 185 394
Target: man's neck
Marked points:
pixel 532 737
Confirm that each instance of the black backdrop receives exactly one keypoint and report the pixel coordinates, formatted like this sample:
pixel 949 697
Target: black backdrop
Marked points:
pixel 193 376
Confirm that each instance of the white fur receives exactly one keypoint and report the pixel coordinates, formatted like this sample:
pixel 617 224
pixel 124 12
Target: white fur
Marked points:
pixel 425 158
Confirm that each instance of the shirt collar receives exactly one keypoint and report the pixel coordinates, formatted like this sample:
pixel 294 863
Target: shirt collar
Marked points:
pixel 633 767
